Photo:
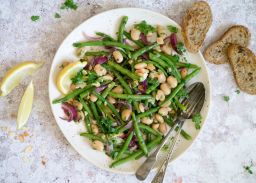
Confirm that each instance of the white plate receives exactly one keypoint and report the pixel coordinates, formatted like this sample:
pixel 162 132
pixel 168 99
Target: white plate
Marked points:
pixel 108 22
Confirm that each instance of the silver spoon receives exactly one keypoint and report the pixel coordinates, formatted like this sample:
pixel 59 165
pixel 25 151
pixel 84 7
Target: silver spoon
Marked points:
pixel 194 104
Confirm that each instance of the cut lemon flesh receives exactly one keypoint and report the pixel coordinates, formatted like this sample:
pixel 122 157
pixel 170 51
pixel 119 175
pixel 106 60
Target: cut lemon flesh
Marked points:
pixel 63 79
pixel 25 106
pixel 13 76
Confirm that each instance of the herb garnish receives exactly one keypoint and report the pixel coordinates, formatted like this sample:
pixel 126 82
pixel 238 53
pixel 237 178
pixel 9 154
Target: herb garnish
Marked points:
pixel 35 18
pixel 91 77
pixel 197 119
pixel 181 48
pixel 144 27
pixel 237 91
pixel 248 168
pixel 78 78
pixel 57 15
pixel 172 28
pixel 69 4
pixel 226 98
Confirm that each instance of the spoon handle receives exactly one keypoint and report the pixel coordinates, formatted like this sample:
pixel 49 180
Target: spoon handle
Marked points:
pixel 145 168
pixel 159 177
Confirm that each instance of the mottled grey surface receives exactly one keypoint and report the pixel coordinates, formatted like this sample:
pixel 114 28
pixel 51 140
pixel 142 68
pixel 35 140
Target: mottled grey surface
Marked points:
pixel 226 144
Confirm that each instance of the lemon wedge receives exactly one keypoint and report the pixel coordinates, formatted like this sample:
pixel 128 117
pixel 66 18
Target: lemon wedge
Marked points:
pixel 64 76
pixel 13 76
pixel 25 106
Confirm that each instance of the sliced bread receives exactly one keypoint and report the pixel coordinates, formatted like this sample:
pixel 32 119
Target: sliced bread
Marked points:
pixel 195 24
pixel 217 52
pixel 243 63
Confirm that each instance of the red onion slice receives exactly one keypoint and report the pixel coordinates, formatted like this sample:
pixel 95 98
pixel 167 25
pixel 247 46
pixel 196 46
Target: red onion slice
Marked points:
pixel 70 112
pixel 101 88
pixel 174 42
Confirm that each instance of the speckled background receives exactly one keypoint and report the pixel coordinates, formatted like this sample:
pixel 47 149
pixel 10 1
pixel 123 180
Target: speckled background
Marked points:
pixel 40 153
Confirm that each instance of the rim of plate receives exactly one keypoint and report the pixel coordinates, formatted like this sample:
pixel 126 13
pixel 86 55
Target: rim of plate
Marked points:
pixel 87 158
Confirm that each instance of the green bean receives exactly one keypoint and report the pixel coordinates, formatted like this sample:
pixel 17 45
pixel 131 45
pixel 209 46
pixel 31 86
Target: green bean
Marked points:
pixel 97 53
pixel 143 50
pixel 105 112
pixel 72 94
pixel 105 36
pixel 111 107
pixel 125 146
pixel 174 59
pixel 121 28
pixel 158 60
pixel 123 70
pixel 185 135
pixel 152 87
pixel 128 36
pixel 104 94
pixel 157 65
pixel 148 112
pixel 128 96
pixel 103 43
pixel 92 136
pixel 169 121
pixel 179 105
pixel 84 94
pixel 174 70
pixel 187 65
pixel 136 154
pixel 149 129
pixel 86 107
pixel 87 119
pixel 139 134
pixel 94 111
pixel 192 74
pixel 170 97
pixel 122 82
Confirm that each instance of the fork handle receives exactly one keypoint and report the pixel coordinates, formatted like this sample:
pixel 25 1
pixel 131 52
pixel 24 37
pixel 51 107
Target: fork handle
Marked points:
pixel 159 177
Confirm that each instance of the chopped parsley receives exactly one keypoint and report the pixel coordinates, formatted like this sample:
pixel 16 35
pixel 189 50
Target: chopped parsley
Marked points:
pixel 69 4
pixel 78 78
pixel 226 98
pixel 35 18
pixel 91 77
pixel 144 27
pixel 197 119
pixel 181 48
pixel 237 91
pixel 106 126
pixel 248 168
pixel 182 93
pixel 57 15
pixel 172 28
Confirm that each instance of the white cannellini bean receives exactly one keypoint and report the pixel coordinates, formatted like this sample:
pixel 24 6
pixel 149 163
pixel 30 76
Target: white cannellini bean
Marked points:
pixel 118 89
pixel 77 104
pixel 95 129
pixel 163 111
pixel 100 71
pixel 159 118
pixel 151 37
pixel 98 145
pixel 172 81
pixel 107 77
pixel 141 107
pixel 161 77
pixel 183 72
pixel 167 104
pixel 160 95
pixel 111 100
pixel 135 34
pixel 140 65
pixel 157 48
pixel 161 31
pixel 160 40
pixel 126 114
pixel 166 49
pixel 81 115
pixel 146 120
pixel 155 126
pixel 151 67
pixel 93 98
pixel 118 56
pixel 165 88
pixel 153 74
pixel 142 73
pixel 162 128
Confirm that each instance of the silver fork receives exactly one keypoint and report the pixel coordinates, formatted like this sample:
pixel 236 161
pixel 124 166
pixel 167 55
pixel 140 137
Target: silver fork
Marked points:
pixel 196 92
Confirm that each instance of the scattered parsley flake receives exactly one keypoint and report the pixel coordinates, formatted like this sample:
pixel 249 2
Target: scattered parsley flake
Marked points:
pixel 172 28
pixel 69 4
pixel 237 91
pixel 91 77
pixel 248 169
pixel 35 18
pixel 197 119
pixel 144 27
pixel 78 78
pixel 181 48
pixel 226 98
pixel 57 15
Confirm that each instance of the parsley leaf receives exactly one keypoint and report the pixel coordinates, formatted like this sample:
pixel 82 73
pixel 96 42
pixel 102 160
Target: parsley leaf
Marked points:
pixel 57 15
pixel 248 168
pixel 226 98
pixel 237 91
pixel 78 78
pixel 35 18
pixel 106 126
pixel 197 119
pixel 172 28
pixel 69 4
pixel 91 77
pixel 181 48
pixel 182 93
pixel 144 27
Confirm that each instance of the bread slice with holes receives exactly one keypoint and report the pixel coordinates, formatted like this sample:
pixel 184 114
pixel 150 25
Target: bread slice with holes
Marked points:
pixel 217 52
pixel 243 63
pixel 195 24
